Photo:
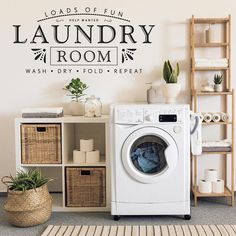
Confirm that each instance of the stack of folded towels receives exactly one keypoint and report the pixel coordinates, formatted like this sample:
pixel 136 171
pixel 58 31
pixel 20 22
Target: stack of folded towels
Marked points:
pixel 206 62
pixel 51 112
pixel 216 146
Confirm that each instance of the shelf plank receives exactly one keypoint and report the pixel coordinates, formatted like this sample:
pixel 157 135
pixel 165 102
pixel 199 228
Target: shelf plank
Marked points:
pixel 209 68
pixel 211 153
pixel 200 93
pixel 66 119
pixel 41 165
pixel 210 45
pixel 216 123
pixel 226 193
pixel 86 164
pixel 211 20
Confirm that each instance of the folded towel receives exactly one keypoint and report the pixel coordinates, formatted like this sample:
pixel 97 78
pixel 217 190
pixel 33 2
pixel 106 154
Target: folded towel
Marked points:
pixel 205 62
pixel 44 110
pixel 215 60
pixel 208 64
pixel 52 112
pixel 216 149
pixel 42 115
pixel 220 143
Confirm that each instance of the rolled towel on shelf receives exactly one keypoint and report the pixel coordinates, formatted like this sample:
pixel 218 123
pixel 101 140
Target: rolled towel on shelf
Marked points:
pixel 205 186
pixel 224 116
pixel 207 117
pixel 200 115
pixel 216 117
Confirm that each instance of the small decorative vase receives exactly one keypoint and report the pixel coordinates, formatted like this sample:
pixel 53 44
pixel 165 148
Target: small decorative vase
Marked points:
pixel 171 92
pixel 76 108
pixel 218 88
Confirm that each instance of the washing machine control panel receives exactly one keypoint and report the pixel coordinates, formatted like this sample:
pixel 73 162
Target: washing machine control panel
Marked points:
pixel 163 116
pixel 129 116
pixel 146 115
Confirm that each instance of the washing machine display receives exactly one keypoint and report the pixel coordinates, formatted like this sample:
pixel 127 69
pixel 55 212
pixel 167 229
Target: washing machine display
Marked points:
pixel 147 154
pixel 168 118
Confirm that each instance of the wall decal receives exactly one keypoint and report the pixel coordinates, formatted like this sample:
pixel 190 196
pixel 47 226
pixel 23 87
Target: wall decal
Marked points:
pixel 72 39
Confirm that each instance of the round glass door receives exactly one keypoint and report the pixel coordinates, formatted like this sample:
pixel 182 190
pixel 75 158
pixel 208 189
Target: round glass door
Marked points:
pixel 147 154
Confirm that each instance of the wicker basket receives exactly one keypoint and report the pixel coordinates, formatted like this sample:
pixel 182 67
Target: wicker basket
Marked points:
pixel 41 143
pixel 85 187
pixel 29 208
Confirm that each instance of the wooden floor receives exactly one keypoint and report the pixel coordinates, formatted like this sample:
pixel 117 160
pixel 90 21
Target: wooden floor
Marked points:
pixel 163 230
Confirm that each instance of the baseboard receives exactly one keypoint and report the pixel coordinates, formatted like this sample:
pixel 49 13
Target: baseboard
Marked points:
pixel 3 194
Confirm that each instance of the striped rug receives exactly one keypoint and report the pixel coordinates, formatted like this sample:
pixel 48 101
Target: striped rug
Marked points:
pixel 156 230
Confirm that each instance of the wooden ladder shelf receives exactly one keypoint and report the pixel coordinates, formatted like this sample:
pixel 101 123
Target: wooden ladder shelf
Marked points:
pixel 227 96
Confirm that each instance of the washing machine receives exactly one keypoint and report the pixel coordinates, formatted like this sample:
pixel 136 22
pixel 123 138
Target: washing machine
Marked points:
pixel 150 160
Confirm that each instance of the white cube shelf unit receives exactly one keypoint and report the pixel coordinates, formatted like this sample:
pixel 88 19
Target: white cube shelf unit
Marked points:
pixel 73 128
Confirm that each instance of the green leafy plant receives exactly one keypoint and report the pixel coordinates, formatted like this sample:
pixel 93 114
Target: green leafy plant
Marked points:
pixel 76 89
pixel 23 181
pixel 218 79
pixel 170 75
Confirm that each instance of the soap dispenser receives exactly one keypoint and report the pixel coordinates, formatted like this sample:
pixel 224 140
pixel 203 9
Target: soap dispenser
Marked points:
pixel 151 94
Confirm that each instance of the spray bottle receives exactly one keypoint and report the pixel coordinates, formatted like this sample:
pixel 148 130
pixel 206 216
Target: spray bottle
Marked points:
pixel 151 94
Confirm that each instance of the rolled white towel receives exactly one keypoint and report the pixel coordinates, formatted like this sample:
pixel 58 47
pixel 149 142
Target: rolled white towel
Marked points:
pixel 216 117
pixel 207 117
pixel 200 115
pixel 217 143
pixel 224 116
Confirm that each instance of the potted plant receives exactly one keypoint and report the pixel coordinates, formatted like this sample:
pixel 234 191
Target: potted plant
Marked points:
pixel 28 201
pixel 172 87
pixel 76 90
pixel 218 83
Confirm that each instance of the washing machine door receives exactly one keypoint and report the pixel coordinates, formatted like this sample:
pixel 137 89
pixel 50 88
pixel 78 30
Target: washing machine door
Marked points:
pixel 149 154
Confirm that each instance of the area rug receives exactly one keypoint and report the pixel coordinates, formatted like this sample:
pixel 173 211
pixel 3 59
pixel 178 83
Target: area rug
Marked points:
pixel 150 230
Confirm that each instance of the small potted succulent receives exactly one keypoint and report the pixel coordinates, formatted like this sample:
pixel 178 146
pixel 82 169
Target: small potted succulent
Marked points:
pixel 76 90
pixel 28 201
pixel 218 83
pixel 172 87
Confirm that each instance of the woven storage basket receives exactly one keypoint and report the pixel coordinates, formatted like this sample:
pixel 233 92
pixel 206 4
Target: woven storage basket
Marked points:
pixel 85 187
pixel 41 143
pixel 29 208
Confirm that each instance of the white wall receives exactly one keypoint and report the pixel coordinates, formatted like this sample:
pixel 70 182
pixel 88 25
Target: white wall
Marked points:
pixel 170 41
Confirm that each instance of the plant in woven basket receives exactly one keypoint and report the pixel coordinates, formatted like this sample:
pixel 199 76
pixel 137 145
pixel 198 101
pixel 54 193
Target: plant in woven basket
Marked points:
pixel 218 82
pixel 172 87
pixel 76 90
pixel 28 201
pixel 23 181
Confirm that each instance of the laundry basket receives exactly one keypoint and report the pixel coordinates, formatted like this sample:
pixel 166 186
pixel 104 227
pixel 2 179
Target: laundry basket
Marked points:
pixel 41 143
pixel 85 187
pixel 29 208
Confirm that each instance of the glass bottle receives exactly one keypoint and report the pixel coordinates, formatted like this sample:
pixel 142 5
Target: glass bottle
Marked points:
pixel 93 107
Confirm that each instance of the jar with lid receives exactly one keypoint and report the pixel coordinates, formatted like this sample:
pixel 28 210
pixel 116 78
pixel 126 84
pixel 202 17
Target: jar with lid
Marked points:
pixel 93 107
